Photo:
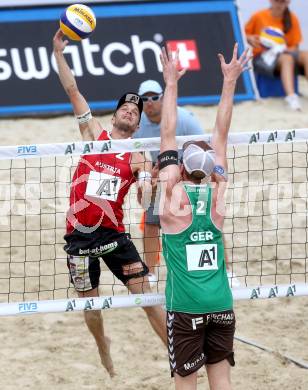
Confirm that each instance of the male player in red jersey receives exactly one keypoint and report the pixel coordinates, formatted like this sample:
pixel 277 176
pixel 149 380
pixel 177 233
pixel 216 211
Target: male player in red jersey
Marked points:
pixel 95 218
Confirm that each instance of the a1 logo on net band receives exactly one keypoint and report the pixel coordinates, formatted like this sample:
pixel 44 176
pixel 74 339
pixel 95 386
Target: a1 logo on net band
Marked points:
pixel 188 53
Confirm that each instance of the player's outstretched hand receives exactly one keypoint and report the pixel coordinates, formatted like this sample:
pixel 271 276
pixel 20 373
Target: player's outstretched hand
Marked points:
pixel 171 70
pixel 236 66
pixel 59 43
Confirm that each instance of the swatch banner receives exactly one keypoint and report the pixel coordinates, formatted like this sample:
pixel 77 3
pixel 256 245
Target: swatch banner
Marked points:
pixel 122 52
pixel 31 3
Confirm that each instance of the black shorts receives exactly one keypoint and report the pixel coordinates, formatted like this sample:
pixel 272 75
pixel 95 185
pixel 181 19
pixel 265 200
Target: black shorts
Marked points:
pixel 198 339
pixel 85 250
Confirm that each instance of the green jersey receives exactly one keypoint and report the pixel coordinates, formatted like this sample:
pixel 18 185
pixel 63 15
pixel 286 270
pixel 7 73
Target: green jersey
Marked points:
pixel 197 279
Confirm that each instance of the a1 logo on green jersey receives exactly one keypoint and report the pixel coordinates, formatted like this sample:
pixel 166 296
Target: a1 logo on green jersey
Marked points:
pixel 201 257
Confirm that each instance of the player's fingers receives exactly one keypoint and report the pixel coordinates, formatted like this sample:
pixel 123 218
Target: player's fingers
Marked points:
pixel 163 63
pixel 166 54
pixel 177 55
pixel 221 59
pixel 235 51
pixel 246 59
pixel 169 54
pixel 244 55
pixel 247 68
pixel 163 56
pixel 60 33
pixel 182 72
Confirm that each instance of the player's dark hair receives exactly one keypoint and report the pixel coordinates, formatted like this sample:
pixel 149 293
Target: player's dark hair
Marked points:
pixel 196 177
pixel 286 20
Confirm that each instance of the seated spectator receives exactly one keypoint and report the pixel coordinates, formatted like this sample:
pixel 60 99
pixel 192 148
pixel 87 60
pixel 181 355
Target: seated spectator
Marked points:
pixel 275 35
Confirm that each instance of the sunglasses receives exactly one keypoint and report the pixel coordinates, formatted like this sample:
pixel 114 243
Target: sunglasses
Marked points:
pixel 154 98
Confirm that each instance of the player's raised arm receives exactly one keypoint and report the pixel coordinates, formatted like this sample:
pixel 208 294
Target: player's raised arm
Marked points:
pixel 142 170
pixel 88 126
pixel 231 72
pixel 169 109
pixel 168 157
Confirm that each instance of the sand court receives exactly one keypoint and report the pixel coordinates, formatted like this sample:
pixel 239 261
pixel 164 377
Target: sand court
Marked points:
pixel 263 237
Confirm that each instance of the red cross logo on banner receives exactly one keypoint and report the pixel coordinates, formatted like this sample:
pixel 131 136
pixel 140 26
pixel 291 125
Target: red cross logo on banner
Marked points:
pixel 188 53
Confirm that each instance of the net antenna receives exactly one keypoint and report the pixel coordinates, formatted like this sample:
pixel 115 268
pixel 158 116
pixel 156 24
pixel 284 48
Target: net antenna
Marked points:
pixel 265 226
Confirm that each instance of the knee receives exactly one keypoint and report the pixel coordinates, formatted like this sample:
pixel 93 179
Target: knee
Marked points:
pixel 286 59
pixel 303 57
pixel 134 269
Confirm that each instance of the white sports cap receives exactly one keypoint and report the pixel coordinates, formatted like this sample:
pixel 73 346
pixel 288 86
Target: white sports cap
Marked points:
pixel 199 161
pixel 149 86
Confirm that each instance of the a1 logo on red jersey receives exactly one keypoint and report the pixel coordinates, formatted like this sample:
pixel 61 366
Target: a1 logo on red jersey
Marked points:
pixel 188 53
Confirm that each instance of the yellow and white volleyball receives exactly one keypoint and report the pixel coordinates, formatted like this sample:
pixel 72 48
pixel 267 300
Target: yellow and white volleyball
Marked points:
pixel 77 22
pixel 272 36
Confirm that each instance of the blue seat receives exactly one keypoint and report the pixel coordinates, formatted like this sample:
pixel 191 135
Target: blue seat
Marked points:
pixel 271 86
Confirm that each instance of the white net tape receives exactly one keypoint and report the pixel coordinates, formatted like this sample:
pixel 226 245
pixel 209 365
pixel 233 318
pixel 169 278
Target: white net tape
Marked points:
pixel 142 144
pixel 265 224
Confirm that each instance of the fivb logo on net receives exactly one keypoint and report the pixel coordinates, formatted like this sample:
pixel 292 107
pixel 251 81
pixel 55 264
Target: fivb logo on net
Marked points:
pixel 27 150
pixel 37 63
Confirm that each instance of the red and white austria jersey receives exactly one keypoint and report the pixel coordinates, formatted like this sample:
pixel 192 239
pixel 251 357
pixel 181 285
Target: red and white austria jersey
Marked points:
pixel 98 189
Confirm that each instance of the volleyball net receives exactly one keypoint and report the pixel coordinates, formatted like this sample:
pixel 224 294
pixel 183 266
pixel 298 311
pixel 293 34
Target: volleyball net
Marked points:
pixel 265 226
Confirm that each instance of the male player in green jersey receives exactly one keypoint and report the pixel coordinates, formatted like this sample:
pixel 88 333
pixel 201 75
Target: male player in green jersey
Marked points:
pixel 200 317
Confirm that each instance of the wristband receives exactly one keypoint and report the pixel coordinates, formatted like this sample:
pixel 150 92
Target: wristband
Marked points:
pixel 84 118
pixel 169 157
pixel 219 170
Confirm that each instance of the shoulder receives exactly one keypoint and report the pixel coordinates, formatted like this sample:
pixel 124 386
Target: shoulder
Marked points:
pixel 187 123
pixel 183 112
pixel 294 18
pixel 261 13
pixel 144 127
pixel 144 121
pixel 144 118
pixel 103 135
pixel 138 162
pixel 185 115
pixel 137 158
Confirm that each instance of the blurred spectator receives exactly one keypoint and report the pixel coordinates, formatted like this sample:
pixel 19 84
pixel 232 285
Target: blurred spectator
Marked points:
pixel 151 93
pixel 275 35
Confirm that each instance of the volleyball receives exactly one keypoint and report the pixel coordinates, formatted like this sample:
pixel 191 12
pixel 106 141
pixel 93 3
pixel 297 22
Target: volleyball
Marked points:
pixel 77 22
pixel 272 36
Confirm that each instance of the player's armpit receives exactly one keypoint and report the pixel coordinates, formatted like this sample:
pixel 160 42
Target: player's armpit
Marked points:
pixel 139 162
pixel 90 130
